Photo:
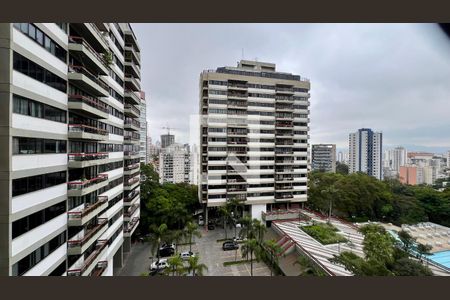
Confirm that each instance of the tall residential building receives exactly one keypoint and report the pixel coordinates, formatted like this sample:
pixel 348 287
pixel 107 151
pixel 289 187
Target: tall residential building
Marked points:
pixel 143 130
pixel 448 159
pixel 253 137
pixel 395 158
pixel 365 148
pixel 408 175
pixel 62 159
pixel 323 157
pixel 175 164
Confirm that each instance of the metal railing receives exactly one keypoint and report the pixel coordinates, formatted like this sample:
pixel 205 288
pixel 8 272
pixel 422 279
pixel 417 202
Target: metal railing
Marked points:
pixel 82 41
pixel 86 72
pixel 87 156
pixel 75 215
pixel 88 234
pixel 133 108
pixel 79 185
pixel 131 196
pixel 87 129
pixel 93 102
pixel 101 244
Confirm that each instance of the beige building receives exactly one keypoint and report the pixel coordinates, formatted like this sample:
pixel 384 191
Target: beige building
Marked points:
pixel 254 137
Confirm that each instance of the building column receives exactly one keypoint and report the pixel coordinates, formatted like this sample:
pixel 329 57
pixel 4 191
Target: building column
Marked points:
pixel 206 217
pixel 118 258
pixel 126 244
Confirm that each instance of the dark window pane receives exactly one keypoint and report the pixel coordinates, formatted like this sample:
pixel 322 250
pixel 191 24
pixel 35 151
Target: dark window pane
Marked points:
pixel 39 37
pixel 31 31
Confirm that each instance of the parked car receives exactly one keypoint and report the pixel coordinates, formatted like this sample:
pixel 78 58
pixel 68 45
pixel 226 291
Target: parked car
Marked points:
pixel 166 250
pixel 159 265
pixel 200 221
pixel 230 245
pixel 239 239
pixel 186 254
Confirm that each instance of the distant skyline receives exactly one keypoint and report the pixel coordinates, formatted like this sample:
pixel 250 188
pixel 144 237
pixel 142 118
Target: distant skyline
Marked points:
pixel 392 78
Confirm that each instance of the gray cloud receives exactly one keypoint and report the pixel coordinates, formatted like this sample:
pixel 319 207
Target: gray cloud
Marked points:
pixel 393 78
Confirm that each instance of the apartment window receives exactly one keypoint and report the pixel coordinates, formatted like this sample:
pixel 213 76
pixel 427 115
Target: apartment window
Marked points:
pixel 28 107
pixel 23 145
pixel 36 219
pixel 35 71
pixel 30 184
pixel 42 39
pixel 37 255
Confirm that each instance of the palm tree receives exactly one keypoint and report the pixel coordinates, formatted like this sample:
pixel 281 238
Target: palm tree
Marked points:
pixel 308 268
pixel 246 230
pixel 274 250
pixel 175 265
pixel 178 236
pixel 195 267
pixel 258 229
pixel 251 247
pixel 226 216
pixel 192 231
pixel 159 234
pixel 234 204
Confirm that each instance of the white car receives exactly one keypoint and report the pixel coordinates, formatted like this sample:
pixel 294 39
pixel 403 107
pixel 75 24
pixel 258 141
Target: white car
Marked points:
pixel 159 265
pixel 186 254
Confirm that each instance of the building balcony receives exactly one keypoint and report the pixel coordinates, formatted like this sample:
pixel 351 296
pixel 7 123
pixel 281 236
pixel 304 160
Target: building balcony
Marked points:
pixel 284 170
pixel 283 179
pixel 135 55
pixel 128 213
pixel 284 108
pixel 284 214
pixel 93 35
pixel 100 268
pixel 131 111
pixel 132 124
pixel 237 86
pixel 83 160
pixel 131 197
pixel 92 107
pixel 84 266
pixel 83 187
pixel 132 83
pixel 284 161
pixel 283 197
pixel 131 154
pixel 78 244
pixel 132 68
pixel 130 227
pixel 83 78
pixel 284 90
pixel 131 183
pixel 80 131
pixel 132 97
pixel 131 140
pixel 241 96
pixel 82 214
pixel 80 47
pixel 130 169
pixel 284 153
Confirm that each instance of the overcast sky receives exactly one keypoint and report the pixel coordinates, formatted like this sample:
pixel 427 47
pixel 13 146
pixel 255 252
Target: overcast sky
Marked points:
pixel 393 78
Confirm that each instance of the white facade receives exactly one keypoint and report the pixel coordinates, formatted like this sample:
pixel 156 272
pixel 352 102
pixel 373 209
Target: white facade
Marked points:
pixel 365 150
pixel 395 158
pixel 143 150
pixel 175 164
pixel 253 137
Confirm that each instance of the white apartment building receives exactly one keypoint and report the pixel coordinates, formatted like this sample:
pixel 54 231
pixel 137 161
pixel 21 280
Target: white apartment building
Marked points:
pixel 323 157
pixel 175 164
pixel 62 159
pixel 365 149
pixel 395 158
pixel 143 150
pixel 253 137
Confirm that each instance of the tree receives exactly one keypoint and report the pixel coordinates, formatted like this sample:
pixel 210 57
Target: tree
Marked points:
pixel 176 266
pixel 234 204
pixel 274 250
pixel 195 267
pixel 192 231
pixel 423 250
pixel 177 236
pixel 253 248
pixel 378 245
pixel 307 267
pixel 159 234
pixel 409 267
pixel 225 212
pixel 341 168
pixel 407 240
pixel 258 230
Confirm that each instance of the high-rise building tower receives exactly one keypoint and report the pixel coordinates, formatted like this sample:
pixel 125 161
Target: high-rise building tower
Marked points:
pixel 167 140
pixel 253 137
pixel 175 164
pixel 323 157
pixel 62 158
pixel 365 151
pixel 143 150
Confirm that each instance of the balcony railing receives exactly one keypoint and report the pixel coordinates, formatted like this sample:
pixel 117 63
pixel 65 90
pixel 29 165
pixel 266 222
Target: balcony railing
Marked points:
pixel 237 85
pixel 83 184
pixel 101 244
pixel 138 54
pixel 131 196
pixel 79 214
pixel 132 167
pixel 131 225
pixel 84 71
pixel 131 181
pixel 87 156
pixel 241 95
pixel 81 41
pixel 84 236
pixel 132 122
pixel 133 108
pixel 100 268
pixel 91 101
pixel 130 153
pixel 131 210
pixel 86 129
pixel 284 196
pixel 282 89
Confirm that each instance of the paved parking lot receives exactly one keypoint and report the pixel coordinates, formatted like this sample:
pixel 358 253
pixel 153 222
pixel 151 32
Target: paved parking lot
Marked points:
pixel 213 256
pixel 210 252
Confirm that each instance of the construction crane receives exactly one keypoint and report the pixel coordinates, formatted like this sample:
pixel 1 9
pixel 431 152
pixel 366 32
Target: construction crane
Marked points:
pixel 168 128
